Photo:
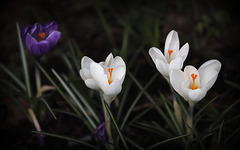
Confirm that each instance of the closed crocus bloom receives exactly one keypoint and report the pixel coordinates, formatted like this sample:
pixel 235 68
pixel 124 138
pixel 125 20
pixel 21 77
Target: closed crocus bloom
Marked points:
pixel 193 84
pixel 107 76
pixel 173 58
pixel 40 39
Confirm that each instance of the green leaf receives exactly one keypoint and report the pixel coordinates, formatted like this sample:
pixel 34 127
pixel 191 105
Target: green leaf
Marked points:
pixel 24 62
pixel 64 96
pixel 170 112
pixel 10 74
pixel 137 146
pixel 205 106
pixel 49 108
pixel 115 124
pixel 150 99
pixel 83 100
pixel 66 138
pixel 166 141
pixel 74 98
pixel 136 100
pixel 156 129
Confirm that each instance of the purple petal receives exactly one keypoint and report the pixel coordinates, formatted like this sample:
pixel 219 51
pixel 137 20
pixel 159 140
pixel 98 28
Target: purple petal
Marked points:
pixel 29 41
pixel 49 27
pixel 24 32
pixel 40 48
pixel 53 38
pixel 100 132
pixel 52 24
pixel 35 30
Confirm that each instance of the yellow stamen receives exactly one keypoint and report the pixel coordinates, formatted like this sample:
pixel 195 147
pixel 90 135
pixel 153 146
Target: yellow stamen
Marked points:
pixel 110 72
pixel 194 76
pixel 169 52
pixel 41 36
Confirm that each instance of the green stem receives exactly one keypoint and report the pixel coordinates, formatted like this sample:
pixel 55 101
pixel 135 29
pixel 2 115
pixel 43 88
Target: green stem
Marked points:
pixel 37 78
pixel 177 111
pixel 190 119
pixel 107 122
pixel 36 124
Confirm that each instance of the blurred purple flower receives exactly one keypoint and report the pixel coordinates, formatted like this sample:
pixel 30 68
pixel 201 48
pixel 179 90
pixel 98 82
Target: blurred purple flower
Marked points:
pixel 100 132
pixel 40 39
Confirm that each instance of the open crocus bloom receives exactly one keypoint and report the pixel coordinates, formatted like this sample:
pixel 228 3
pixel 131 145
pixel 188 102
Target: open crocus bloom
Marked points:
pixel 40 39
pixel 173 58
pixel 193 84
pixel 106 76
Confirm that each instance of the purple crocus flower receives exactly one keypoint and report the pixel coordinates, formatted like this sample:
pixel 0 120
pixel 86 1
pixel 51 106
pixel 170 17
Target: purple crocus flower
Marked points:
pixel 40 39
pixel 100 132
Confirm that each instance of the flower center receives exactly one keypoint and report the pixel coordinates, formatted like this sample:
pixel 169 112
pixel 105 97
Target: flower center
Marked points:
pixel 169 56
pixel 110 72
pixel 194 76
pixel 41 36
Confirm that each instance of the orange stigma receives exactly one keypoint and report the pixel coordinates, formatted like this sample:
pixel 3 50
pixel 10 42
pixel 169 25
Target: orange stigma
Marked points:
pixel 110 72
pixel 41 36
pixel 194 76
pixel 169 52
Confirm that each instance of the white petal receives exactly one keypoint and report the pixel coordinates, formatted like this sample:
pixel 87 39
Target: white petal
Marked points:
pixel 90 83
pixel 117 61
pixel 188 70
pixel 85 62
pixel 112 91
pixel 176 79
pixel 176 64
pixel 210 65
pixel 209 72
pixel 168 41
pixel 86 73
pixel 185 89
pixel 119 73
pixel 173 45
pixel 155 54
pixel 208 79
pixel 82 74
pixel 183 52
pixel 108 60
pixel 196 95
pixel 163 68
pixel 98 75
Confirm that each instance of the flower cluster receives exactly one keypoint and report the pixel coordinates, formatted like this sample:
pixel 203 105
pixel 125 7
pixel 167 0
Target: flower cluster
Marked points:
pixel 191 84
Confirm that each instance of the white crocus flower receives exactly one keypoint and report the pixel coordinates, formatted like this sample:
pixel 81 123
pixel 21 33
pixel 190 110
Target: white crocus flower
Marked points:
pixel 173 58
pixel 106 77
pixel 193 84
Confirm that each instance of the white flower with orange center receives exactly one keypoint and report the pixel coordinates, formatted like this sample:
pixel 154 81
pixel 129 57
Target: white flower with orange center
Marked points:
pixel 173 58
pixel 193 84
pixel 106 76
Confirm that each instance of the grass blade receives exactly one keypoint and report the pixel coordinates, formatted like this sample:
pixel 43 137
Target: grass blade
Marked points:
pixel 48 107
pixel 150 99
pixel 24 62
pixel 66 138
pixel 199 112
pixel 10 74
pixel 136 100
pixel 116 126
pixel 63 95
pixel 166 141
pixel 83 100
pixel 74 98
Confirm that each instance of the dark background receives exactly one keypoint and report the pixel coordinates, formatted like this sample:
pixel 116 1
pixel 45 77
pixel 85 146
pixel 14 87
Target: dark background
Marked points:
pixel 210 27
